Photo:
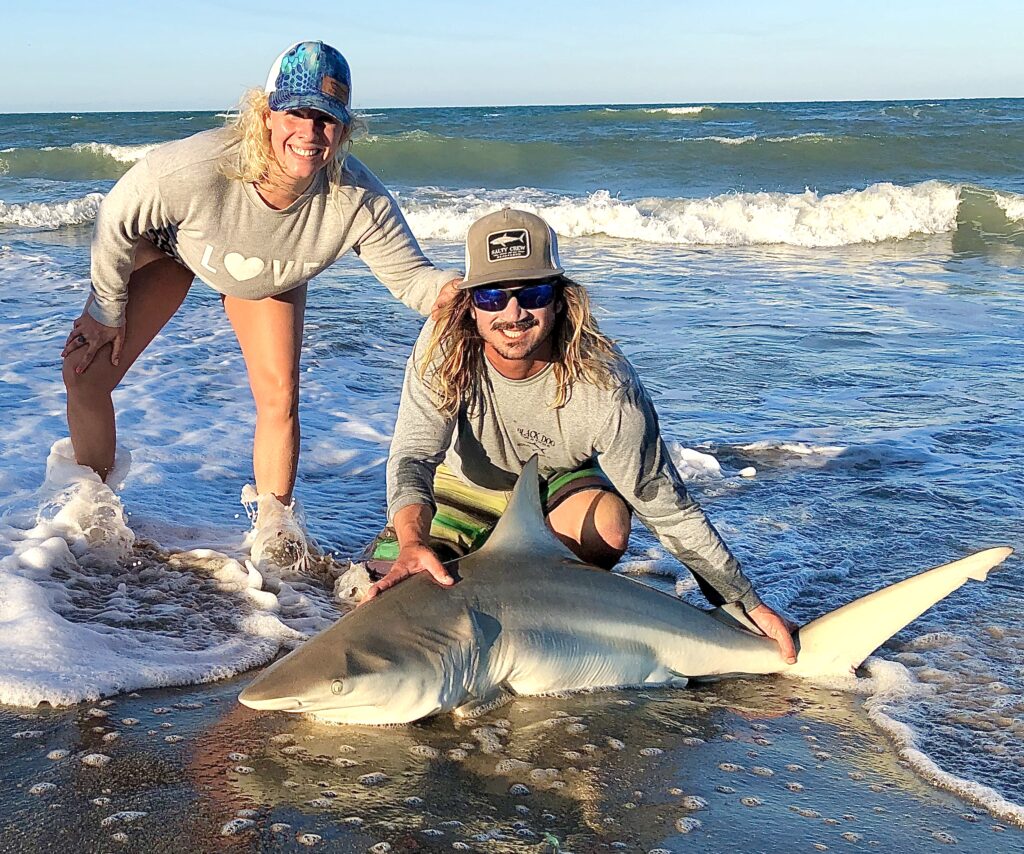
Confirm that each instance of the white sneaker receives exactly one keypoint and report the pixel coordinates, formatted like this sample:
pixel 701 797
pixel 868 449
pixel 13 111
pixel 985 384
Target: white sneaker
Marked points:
pixel 278 536
pixel 88 513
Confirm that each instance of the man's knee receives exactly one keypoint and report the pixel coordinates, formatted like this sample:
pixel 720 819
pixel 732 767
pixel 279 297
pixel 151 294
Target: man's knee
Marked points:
pixel 595 525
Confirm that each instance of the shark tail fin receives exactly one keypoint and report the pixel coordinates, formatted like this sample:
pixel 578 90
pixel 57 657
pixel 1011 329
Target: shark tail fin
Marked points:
pixel 840 641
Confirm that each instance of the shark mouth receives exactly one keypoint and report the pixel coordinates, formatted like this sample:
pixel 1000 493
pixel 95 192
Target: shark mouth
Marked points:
pixel 271 704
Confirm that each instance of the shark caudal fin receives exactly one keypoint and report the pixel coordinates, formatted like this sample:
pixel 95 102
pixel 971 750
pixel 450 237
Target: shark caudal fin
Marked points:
pixel 521 527
pixel 839 642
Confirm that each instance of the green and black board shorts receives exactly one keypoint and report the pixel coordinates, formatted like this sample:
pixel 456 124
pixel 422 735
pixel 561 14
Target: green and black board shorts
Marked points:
pixel 467 514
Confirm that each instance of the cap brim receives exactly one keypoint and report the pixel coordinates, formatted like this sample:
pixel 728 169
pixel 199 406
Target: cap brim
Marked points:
pixel 509 276
pixel 310 101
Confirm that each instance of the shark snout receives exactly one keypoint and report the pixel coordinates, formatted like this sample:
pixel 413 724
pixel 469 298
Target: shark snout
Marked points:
pixel 256 699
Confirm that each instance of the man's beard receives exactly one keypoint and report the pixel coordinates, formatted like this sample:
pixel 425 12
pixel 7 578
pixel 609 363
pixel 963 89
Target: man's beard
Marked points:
pixel 508 349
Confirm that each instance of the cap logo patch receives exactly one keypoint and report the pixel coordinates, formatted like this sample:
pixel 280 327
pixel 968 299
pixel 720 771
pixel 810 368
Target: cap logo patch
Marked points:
pixel 334 89
pixel 508 244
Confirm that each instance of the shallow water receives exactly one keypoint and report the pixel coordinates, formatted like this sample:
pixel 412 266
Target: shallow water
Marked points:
pixel 769 765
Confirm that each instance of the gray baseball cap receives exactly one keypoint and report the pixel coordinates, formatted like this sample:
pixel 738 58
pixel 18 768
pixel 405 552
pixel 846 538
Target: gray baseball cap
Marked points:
pixel 510 245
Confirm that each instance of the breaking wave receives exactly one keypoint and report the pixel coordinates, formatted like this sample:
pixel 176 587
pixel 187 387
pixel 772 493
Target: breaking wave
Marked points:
pixel 81 161
pixel 51 215
pixel 879 213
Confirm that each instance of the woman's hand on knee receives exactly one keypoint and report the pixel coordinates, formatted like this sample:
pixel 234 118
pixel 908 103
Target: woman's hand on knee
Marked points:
pixel 88 336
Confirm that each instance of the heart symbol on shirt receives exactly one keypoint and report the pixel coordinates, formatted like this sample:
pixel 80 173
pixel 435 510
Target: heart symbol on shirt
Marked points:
pixel 242 268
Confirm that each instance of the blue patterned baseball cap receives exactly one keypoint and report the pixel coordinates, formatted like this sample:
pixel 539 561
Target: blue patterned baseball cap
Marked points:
pixel 311 75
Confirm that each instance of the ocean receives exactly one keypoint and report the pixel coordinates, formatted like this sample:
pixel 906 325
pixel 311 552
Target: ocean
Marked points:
pixel 829 293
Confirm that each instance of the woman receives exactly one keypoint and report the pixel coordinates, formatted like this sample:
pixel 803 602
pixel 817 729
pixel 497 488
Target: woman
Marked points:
pixel 255 210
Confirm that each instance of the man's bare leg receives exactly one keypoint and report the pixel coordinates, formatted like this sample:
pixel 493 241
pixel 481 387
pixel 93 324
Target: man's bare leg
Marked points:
pixel 594 524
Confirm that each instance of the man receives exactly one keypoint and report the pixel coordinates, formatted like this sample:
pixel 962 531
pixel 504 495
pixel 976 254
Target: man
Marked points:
pixel 515 365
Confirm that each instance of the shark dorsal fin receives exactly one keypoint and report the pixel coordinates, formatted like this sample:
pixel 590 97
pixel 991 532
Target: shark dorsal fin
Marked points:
pixel 521 527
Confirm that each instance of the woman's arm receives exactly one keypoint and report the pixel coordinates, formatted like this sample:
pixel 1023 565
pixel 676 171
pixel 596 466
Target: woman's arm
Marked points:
pixel 391 252
pixel 130 209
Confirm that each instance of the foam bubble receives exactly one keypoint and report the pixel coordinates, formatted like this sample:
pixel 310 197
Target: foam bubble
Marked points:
pixel 688 824
pixel 236 826
pixel 123 817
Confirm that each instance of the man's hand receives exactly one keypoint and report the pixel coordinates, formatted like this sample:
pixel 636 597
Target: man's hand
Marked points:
pixel 88 336
pixel 411 559
pixel 777 628
pixel 446 296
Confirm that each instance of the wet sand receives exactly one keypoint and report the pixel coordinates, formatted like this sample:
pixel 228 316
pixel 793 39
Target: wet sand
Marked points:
pixel 749 765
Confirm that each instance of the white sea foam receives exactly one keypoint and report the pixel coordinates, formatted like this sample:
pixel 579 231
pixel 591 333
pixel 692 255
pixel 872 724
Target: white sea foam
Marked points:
pixel 1012 204
pixel 80 608
pixel 789 453
pixel 724 140
pixel 812 137
pixel 878 213
pixel 120 153
pixel 889 690
pixel 668 111
pixel 51 215
pixel 680 111
pixel 753 137
pixel 692 464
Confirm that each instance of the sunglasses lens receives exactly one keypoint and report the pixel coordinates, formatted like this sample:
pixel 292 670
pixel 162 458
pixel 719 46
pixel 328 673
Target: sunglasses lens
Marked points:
pixel 536 296
pixel 490 299
pixel 495 299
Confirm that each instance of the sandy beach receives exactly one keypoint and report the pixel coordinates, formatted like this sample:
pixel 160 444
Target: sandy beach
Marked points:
pixel 764 765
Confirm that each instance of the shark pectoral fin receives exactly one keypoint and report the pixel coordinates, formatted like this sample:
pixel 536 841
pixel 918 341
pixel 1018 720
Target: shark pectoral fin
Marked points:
pixel 733 615
pixel 476 706
pixel 677 680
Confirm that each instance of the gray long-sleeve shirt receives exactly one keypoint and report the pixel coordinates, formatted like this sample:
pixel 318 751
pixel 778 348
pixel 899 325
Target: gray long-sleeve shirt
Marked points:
pixel 491 438
pixel 222 230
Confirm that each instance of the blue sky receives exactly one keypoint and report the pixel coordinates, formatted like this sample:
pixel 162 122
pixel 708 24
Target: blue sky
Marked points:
pixel 74 56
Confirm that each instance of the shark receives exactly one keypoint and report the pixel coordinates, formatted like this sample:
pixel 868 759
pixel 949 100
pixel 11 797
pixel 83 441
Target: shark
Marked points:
pixel 527 617
pixel 507 239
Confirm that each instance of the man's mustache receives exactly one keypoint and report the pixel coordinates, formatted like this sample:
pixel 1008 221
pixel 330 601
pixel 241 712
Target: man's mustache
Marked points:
pixel 521 325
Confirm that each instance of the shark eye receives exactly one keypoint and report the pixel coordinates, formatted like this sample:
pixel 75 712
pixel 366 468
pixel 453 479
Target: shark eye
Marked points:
pixel 336 686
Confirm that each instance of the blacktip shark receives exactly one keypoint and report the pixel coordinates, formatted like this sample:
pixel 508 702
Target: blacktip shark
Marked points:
pixel 527 617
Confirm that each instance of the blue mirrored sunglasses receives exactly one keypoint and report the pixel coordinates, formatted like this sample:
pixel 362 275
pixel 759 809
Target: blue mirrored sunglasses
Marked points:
pixel 532 296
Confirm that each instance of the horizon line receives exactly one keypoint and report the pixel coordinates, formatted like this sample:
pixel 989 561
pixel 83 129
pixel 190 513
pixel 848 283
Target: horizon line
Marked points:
pixel 694 103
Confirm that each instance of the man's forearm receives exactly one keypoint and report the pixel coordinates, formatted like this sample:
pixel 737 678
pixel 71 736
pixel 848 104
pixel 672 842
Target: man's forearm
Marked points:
pixel 412 525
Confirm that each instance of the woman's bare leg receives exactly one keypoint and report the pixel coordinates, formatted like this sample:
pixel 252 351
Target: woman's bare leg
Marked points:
pixel 594 524
pixel 269 332
pixel 156 289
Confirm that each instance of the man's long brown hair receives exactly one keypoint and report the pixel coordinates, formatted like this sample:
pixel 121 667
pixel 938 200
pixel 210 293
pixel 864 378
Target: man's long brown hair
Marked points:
pixel 453 363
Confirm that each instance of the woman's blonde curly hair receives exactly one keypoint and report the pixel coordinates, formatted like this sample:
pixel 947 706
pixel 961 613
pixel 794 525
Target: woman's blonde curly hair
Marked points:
pixel 255 157
pixel 453 362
